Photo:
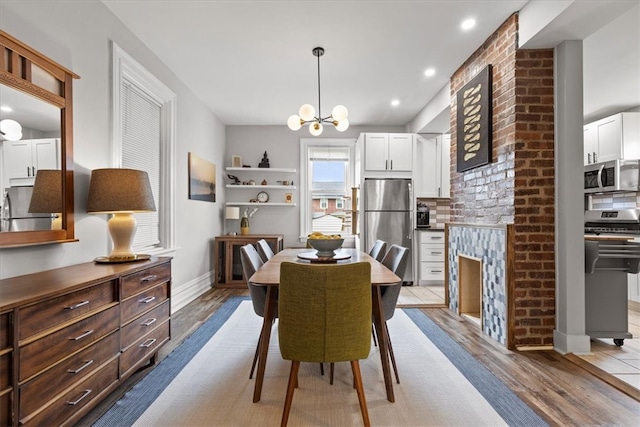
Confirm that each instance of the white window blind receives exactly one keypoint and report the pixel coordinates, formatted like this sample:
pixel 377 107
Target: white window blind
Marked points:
pixel 141 149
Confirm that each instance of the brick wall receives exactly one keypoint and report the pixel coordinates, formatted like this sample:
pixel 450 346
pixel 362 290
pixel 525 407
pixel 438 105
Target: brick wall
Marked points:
pixel 517 187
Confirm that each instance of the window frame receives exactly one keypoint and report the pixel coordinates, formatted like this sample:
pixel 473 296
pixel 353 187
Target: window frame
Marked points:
pixel 124 67
pixel 305 180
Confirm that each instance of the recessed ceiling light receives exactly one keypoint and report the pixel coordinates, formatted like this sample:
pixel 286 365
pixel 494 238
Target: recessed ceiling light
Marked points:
pixel 429 72
pixel 395 102
pixel 468 24
pixel 6 108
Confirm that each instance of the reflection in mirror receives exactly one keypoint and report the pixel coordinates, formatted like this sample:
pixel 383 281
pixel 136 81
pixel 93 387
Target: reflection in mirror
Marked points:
pixel 31 156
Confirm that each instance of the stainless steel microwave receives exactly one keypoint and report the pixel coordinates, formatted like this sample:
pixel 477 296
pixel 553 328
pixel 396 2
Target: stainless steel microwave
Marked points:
pixel 615 175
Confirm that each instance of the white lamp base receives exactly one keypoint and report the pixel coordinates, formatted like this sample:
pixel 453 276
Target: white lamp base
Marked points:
pixel 122 227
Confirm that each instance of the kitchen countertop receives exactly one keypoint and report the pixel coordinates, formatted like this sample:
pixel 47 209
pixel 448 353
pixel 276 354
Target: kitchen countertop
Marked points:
pixel 429 229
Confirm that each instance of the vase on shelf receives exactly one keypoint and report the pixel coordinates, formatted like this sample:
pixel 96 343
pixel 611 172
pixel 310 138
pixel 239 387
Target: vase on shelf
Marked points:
pixel 244 224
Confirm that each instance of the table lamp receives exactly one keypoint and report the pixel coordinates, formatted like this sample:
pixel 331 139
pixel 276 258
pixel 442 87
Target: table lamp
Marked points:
pixel 232 212
pixel 47 195
pixel 121 192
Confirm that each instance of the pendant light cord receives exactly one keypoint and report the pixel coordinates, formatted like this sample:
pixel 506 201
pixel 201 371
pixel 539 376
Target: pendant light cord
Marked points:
pixel 319 110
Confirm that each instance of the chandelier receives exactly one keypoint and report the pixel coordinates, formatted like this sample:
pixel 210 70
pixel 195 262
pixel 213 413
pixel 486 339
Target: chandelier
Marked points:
pixel 307 114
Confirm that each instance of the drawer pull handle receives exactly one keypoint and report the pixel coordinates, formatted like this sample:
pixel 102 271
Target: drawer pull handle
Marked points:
pixel 148 343
pixel 149 322
pixel 75 371
pixel 436 253
pixel 146 300
pixel 149 278
pixel 86 393
pixel 436 271
pixel 78 305
pixel 436 237
pixel 79 337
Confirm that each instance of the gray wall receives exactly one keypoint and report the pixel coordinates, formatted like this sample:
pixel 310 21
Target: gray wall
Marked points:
pixel 77 35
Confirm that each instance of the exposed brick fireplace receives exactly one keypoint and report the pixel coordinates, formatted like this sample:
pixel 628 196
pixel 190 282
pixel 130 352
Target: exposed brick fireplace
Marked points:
pixel 517 187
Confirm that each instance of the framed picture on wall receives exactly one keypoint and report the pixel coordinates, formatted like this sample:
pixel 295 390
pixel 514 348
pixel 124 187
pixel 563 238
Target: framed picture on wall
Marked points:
pixel 202 179
pixel 236 161
pixel 474 130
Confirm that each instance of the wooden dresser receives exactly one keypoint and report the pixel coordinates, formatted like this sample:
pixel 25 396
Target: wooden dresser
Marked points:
pixel 68 336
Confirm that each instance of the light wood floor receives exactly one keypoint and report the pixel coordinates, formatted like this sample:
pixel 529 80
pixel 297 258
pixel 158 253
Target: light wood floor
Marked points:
pixel 559 388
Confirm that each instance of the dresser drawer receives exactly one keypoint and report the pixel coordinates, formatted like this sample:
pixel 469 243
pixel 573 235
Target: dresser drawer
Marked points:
pixel 38 391
pixel 143 302
pixel 75 399
pixel 144 348
pixel 55 311
pixel 133 284
pixel 5 331
pixel 44 352
pixel 5 368
pixel 145 323
pixel 5 408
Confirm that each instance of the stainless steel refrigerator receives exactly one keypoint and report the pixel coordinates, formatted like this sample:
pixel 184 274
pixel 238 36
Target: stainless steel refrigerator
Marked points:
pixel 388 216
pixel 15 212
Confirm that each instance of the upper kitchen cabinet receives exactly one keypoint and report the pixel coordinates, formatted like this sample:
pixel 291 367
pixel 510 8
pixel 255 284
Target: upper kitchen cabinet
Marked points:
pixel 23 159
pixel 388 152
pixel 612 138
pixel 431 169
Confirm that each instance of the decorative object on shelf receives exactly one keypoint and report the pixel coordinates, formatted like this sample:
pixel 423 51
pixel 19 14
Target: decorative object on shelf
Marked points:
pixel 265 161
pixel 244 222
pixel 264 182
pixel 474 118
pixel 202 179
pixel 47 195
pixel 263 197
pixel 232 213
pixel 284 182
pixel 121 192
pixel 288 197
pixel 307 114
pixel 235 179
pixel 236 161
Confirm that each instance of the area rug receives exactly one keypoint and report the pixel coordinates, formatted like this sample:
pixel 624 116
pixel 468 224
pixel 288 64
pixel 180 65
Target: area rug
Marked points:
pixel 205 382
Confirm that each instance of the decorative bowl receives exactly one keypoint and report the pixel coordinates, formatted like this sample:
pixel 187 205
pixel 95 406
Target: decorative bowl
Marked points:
pixel 325 247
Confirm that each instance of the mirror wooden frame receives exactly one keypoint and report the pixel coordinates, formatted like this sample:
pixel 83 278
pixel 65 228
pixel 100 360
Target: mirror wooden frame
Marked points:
pixel 17 62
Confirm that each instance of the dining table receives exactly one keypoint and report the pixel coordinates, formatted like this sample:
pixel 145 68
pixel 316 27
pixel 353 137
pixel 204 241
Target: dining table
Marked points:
pixel 269 275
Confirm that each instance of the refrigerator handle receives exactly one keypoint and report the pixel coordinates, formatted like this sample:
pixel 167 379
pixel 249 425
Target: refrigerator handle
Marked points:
pixel 411 206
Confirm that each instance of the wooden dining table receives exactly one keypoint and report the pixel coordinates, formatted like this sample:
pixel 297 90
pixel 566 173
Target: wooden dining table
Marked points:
pixel 269 275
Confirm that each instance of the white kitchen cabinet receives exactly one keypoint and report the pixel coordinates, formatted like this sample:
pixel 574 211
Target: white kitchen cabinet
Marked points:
pixel 431 169
pixel 612 138
pixel 388 152
pixel 431 257
pixel 23 159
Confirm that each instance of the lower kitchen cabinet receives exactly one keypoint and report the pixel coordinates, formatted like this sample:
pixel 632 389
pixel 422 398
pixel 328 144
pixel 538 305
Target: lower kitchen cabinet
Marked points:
pixel 80 332
pixel 430 257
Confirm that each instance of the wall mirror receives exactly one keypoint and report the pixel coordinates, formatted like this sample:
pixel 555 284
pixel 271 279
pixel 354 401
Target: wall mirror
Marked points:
pixel 36 147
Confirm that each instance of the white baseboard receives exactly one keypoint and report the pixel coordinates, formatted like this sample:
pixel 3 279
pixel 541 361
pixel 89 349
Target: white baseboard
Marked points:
pixel 183 295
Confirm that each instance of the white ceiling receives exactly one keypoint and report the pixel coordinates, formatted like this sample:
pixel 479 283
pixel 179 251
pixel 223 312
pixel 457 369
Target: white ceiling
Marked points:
pixel 251 62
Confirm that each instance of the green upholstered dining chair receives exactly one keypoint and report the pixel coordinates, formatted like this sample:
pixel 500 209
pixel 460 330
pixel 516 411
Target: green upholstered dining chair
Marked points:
pixel 251 262
pixel 325 316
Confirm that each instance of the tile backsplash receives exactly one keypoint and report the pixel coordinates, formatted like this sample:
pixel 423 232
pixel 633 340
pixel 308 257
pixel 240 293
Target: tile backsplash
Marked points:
pixel 438 211
pixel 626 200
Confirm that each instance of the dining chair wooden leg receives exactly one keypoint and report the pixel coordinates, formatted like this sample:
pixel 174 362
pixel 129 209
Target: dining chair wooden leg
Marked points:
pixel 331 373
pixel 373 333
pixel 391 355
pixel 357 377
pixel 255 357
pixel 322 369
pixel 293 383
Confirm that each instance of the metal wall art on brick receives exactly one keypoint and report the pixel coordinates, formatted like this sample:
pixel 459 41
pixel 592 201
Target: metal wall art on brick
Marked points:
pixel 474 121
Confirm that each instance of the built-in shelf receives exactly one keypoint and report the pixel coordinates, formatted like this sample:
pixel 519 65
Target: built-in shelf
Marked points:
pixel 259 204
pixel 276 187
pixel 281 170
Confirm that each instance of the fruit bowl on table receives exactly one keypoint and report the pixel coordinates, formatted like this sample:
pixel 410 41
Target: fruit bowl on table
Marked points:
pixel 325 247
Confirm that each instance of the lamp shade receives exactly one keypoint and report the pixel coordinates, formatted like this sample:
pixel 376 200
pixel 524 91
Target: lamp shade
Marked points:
pixel 47 192
pixel 120 190
pixel 232 213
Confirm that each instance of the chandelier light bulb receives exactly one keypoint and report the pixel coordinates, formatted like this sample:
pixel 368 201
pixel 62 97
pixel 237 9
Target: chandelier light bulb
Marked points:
pixel 294 122
pixel 307 112
pixel 11 130
pixel 339 113
pixel 315 128
pixel 342 125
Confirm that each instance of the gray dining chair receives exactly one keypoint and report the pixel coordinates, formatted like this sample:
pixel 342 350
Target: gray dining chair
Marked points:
pixel 251 262
pixel 395 260
pixel 378 250
pixel 264 250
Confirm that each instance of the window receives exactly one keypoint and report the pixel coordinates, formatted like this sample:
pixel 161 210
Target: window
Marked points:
pixel 143 130
pixel 327 175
